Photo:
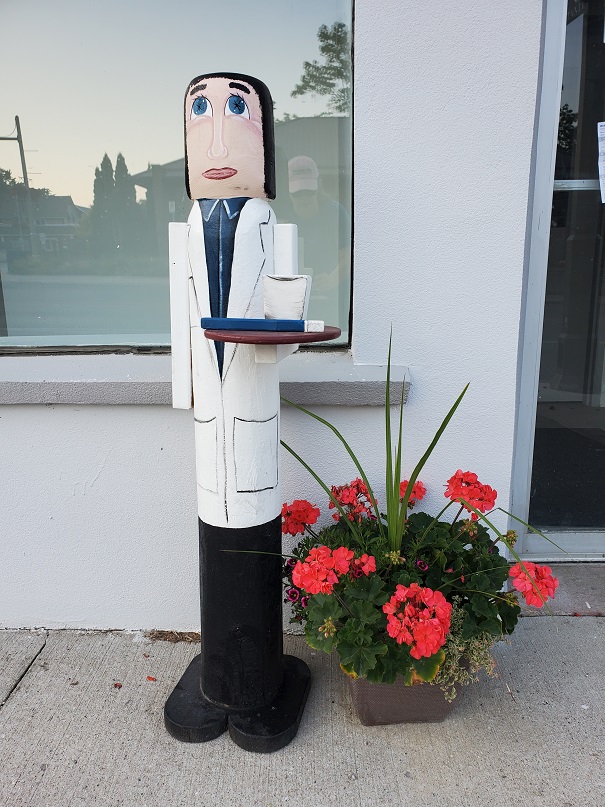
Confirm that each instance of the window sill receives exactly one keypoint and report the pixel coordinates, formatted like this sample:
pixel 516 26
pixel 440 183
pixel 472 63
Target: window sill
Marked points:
pixel 318 378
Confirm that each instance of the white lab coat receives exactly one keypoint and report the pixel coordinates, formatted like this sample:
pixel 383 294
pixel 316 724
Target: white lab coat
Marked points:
pixel 236 417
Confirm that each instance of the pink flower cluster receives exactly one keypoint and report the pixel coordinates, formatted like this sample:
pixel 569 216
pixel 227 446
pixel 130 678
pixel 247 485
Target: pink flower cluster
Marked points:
pixel 322 568
pixel 420 617
pixel 466 485
pixel 353 499
pixel 542 577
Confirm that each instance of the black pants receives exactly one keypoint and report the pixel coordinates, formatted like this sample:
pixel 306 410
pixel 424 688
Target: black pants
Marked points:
pixel 242 633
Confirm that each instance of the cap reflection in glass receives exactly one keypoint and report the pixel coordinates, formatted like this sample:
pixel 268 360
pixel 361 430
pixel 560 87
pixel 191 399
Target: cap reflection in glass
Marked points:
pixel 229 142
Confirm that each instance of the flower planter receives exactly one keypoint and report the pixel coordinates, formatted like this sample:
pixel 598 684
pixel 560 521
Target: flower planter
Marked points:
pixel 385 704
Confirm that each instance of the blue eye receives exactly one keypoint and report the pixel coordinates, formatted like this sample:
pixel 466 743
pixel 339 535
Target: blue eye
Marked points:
pixel 201 106
pixel 236 106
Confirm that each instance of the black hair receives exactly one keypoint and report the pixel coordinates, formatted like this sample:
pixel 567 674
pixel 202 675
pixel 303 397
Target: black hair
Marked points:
pixel 266 106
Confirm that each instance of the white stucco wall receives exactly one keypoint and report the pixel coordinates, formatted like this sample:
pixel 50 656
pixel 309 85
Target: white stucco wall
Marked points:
pixel 443 148
pixel 98 520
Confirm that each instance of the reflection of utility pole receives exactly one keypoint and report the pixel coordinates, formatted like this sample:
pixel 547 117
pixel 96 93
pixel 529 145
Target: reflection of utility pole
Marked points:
pixel 28 198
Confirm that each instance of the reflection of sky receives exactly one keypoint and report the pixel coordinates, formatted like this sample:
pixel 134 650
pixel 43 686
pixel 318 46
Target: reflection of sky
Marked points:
pixel 572 67
pixel 89 77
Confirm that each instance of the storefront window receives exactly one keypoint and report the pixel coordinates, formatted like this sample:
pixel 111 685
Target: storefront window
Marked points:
pixel 98 97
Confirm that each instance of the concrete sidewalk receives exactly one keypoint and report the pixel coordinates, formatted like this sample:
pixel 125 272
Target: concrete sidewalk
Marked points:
pixel 69 737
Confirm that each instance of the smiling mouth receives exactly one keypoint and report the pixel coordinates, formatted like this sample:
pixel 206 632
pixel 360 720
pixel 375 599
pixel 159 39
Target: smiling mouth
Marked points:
pixel 219 173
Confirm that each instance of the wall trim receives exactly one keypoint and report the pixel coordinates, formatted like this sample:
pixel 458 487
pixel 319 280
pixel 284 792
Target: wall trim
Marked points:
pixel 320 378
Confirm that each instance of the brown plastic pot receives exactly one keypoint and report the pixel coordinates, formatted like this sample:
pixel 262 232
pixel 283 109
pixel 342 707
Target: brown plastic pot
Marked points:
pixel 385 704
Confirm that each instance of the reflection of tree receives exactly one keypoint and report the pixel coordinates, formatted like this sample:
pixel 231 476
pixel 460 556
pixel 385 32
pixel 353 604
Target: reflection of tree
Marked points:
pixel 116 221
pixel 333 76
pixel 568 120
pixel 6 181
pixel 10 187
pixel 125 206
pixel 18 208
pixel 566 143
pixel 101 214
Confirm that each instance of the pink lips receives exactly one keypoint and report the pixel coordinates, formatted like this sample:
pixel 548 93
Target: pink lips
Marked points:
pixel 219 173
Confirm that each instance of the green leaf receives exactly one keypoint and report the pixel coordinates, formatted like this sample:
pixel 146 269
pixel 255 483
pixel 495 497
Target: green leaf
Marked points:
pixel 430 449
pixel 365 611
pixel 319 641
pixel 534 530
pixel 392 508
pixel 322 607
pixel 370 588
pixel 355 632
pixel 493 626
pixel 427 668
pixel 389 666
pixel 404 578
pixel 360 659
pixel 509 614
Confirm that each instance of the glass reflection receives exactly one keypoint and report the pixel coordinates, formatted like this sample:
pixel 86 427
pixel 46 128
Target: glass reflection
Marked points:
pixel 84 217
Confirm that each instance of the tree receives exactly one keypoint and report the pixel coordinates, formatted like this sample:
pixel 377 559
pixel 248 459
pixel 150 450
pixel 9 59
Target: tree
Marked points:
pixel 333 76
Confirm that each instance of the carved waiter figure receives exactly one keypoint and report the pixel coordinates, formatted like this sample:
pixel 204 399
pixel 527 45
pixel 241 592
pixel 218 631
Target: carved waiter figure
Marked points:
pixel 241 680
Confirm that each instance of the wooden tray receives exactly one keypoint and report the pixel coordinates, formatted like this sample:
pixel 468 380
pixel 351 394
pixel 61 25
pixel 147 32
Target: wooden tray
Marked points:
pixel 273 337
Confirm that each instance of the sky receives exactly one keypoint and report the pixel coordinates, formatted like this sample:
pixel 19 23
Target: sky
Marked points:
pixel 88 77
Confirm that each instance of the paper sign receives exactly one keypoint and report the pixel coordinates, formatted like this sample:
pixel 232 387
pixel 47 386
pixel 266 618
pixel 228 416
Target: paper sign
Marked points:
pixel 601 139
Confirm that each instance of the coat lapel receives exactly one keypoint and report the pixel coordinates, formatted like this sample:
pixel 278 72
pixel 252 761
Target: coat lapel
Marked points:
pixel 250 254
pixel 197 267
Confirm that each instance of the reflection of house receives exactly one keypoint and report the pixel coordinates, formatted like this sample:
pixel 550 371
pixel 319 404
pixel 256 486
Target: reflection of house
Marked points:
pixel 327 140
pixel 55 222
pixel 165 185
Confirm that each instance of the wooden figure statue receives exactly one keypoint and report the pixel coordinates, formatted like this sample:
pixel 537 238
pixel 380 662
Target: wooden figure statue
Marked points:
pixel 223 263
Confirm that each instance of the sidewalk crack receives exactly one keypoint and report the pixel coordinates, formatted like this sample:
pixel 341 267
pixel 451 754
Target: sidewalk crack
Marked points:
pixel 25 671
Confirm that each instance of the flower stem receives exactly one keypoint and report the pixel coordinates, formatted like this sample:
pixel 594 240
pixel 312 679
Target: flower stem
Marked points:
pixel 456 519
pixel 343 603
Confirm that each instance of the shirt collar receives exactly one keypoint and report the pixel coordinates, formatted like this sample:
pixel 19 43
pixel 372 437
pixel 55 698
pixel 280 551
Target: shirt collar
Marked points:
pixel 232 206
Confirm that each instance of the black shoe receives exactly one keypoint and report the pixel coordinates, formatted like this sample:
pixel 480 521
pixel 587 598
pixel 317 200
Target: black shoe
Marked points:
pixel 188 716
pixel 274 726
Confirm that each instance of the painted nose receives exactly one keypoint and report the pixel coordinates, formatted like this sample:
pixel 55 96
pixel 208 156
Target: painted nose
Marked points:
pixel 217 148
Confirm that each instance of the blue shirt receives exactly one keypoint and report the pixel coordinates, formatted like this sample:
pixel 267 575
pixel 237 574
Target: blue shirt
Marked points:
pixel 220 218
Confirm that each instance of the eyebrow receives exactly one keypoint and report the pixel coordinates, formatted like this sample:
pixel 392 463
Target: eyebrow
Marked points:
pixel 237 86
pixel 197 87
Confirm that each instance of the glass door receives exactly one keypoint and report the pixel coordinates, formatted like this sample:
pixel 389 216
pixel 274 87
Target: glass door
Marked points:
pixel 568 477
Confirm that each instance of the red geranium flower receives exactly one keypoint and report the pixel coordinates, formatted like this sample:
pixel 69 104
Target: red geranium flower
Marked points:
pixel 297 516
pixel 314 578
pixel 466 485
pixel 366 564
pixel 418 491
pixel 542 577
pixel 353 498
pixel 342 559
pixel 420 617
pixel 322 568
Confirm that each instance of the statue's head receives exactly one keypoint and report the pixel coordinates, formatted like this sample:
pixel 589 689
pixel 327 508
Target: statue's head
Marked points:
pixel 229 142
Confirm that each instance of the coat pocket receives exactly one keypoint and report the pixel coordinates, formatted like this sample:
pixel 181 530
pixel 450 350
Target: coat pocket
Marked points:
pixel 255 452
pixel 206 454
